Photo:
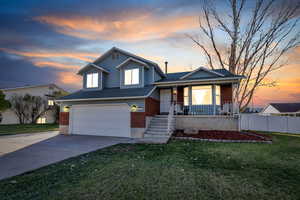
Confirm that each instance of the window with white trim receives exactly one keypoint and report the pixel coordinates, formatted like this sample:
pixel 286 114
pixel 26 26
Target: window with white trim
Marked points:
pixel 131 76
pixel 92 80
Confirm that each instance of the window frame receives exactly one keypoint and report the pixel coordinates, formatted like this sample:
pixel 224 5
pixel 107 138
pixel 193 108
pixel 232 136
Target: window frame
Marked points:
pixel 92 83
pixel 209 93
pixel 131 81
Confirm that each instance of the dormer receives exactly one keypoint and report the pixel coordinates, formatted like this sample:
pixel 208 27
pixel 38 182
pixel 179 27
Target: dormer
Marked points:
pixel 132 73
pixel 92 76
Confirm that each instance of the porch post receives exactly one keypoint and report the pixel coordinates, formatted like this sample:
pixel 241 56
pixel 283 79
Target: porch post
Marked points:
pixel 190 97
pixel 175 97
pixel 214 98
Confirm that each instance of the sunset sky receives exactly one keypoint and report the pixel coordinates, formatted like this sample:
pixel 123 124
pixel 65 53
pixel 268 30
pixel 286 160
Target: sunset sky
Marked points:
pixel 47 41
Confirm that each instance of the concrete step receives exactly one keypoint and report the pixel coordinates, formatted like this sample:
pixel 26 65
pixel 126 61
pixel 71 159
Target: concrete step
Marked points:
pixel 161 116
pixel 159 123
pixel 149 135
pixel 153 140
pixel 157 126
pixel 159 120
pixel 157 129
pixel 163 133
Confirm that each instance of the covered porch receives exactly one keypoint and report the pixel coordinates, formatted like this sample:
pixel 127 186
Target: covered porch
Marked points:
pixel 200 99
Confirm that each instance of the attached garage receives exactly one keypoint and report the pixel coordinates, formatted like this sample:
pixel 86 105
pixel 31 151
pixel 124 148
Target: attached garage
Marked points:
pixel 100 120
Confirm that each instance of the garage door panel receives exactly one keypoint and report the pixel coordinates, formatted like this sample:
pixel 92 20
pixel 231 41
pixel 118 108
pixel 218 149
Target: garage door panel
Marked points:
pixel 101 120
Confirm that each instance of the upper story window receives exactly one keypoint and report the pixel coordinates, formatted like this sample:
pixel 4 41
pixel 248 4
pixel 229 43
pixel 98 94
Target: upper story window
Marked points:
pixel 132 77
pixel 92 80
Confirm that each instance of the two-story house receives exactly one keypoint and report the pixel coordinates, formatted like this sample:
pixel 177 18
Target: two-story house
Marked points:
pixel 126 95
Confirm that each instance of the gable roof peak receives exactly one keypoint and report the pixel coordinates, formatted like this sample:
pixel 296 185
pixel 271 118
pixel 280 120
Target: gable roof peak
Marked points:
pixel 157 68
pixel 133 60
pixel 202 69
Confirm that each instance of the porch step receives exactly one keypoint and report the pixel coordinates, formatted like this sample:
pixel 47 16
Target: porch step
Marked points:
pixel 157 128
pixel 155 135
pixel 157 132
pixel 161 116
pixel 153 140
pixel 160 119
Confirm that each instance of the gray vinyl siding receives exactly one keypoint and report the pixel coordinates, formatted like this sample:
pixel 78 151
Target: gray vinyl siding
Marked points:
pixel 156 76
pixel 148 76
pixel 132 65
pixel 139 102
pixel 113 78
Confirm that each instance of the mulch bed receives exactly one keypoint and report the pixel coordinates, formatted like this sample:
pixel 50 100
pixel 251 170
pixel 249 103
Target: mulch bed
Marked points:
pixel 223 136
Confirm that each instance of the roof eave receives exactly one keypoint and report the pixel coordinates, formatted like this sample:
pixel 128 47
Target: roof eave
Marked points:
pixel 93 65
pixel 199 80
pixel 108 98
pixel 133 60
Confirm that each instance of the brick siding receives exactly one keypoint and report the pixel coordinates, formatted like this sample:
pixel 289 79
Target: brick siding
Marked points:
pixel 226 94
pixel 138 119
pixel 64 118
pixel 151 106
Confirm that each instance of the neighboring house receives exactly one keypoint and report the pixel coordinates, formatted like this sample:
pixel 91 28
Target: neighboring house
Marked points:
pixel 282 109
pixel 44 91
pixel 250 110
pixel 122 94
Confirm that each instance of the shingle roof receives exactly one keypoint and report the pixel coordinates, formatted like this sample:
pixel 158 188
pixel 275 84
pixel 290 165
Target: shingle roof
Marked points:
pixel 178 75
pixel 109 93
pixel 286 107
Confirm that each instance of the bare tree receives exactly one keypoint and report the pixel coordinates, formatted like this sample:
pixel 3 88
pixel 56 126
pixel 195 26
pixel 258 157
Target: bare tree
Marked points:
pixel 4 104
pixel 28 108
pixel 19 108
pixel 36 106
pixel 256 35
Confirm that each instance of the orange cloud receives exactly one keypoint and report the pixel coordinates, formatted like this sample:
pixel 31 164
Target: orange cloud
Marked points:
pixel 55 65
pixel 287 90
pixel 140 27
pixel 69 78
pixel 50 54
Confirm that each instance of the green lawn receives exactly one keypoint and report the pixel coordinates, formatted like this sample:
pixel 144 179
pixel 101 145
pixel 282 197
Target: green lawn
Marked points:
pixel 26 128
pixel 178 170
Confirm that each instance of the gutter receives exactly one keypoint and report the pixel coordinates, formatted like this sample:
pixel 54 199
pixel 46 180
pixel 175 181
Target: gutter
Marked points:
pixel 107 98
pixel 202 80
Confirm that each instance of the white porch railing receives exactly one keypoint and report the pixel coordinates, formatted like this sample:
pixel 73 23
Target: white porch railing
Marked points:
pixel 171 124
pixel 227 108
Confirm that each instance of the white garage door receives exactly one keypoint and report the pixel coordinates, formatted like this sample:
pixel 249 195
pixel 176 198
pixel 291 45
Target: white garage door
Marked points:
pixel 101 120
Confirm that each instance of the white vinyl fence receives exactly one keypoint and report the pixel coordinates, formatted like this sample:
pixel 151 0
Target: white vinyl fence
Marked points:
pixel 270 123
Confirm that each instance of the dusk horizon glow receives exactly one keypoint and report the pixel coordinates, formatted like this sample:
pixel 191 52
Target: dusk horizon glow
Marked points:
pixel 48 41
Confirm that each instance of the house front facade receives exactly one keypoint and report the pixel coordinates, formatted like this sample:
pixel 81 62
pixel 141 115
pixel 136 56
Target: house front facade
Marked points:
pixel 125 95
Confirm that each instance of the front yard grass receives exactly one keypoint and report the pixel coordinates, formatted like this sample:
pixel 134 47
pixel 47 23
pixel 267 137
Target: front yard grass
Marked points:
pixel 26 128
pixel 178 170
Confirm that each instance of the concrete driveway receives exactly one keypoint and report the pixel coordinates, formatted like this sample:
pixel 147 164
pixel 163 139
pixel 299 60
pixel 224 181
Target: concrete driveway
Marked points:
pixel 26 152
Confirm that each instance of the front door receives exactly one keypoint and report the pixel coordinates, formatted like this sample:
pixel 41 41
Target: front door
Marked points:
pixel 165 100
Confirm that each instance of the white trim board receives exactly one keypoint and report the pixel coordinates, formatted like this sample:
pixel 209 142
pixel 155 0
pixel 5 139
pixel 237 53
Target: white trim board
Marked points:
pixel 210 81
pixel 93 65
pixel 133 60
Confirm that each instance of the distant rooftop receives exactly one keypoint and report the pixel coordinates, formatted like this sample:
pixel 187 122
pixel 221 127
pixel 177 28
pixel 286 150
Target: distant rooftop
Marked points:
pixel 286 107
